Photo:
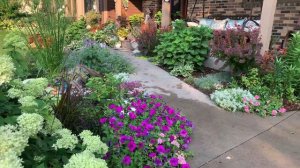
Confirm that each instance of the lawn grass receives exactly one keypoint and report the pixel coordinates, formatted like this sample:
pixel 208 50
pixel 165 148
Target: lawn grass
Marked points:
pixel 2 34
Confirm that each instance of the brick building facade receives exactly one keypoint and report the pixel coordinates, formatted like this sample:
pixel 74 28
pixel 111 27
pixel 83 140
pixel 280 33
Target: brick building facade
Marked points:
pixel 287 13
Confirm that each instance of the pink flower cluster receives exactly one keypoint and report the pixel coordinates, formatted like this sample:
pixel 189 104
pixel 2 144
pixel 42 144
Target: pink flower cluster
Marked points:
pixel 254 105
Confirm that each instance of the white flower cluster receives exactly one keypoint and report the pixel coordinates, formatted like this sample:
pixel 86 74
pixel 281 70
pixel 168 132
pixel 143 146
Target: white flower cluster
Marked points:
pixel 66 140
pixel 29 87
pixel 122 77
pixel 7 69
pixel 85 160
pixel 12 140
pixel 30 124
pixel 231 99
pixel 28 101
pixel 93 143
pixel 10 160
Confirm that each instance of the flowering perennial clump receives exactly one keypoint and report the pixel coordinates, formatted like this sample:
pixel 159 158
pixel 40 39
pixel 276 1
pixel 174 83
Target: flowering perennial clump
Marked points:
pixel 146 133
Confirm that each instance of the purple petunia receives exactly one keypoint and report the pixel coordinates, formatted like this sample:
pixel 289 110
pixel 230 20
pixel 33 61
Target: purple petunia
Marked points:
pixel 123 139
pixel 112 120
pixel 152 155
pixel 131 146
pixel 146 166
pixel 152 112
pixel 185 166
pixel 132 116
pixel 103 120
pixel 183 133
pixel 158 162
pixel 165 128
pixel 160 149
pixel 173 162
pixel 126 160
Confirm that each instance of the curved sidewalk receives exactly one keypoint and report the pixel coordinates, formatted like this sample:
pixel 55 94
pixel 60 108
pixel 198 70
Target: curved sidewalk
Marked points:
pixel 223 139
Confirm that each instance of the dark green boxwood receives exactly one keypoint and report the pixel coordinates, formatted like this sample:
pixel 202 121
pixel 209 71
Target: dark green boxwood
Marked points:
pixel 188 46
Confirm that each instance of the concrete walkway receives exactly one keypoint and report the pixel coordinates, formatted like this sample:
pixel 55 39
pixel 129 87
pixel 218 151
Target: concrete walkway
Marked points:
pixel 222 139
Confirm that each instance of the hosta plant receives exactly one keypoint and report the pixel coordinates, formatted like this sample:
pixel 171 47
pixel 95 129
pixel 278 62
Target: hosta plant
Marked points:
pixel 145 132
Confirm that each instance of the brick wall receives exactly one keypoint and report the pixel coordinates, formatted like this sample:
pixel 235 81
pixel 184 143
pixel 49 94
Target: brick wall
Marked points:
pixel 153 5
pixel 286 17
pixel 223 7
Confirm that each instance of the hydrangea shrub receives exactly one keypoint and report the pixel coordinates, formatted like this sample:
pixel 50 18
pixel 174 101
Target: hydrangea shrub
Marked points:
pixel 7 69
pixel 146 133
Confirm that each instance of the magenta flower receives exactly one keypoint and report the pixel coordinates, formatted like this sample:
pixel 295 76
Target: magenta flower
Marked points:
pixel 160 149
pixel 126 160
pixel 146 166
pixel 185 166
pixel 165 128
pixel 152 155
pixel 132 116
pixel 118 109
pixel 103 120
pixel 112 106
pixel 112 120
pixel 158 162
pixel 123 139
pixel 173 162
pixel 152 112
pixel 183 133
pixel 131 146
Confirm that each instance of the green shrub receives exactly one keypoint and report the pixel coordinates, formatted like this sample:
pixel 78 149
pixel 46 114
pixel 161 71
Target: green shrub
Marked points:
pixel 136 19
pixel 99 59
pixel 292 62
pixel 92 18
pixel 179 25
pixel 76 31
pixel 212 81
pixel 107 35
pixel 9 9
pixel 189 46
pixel 7 24
pixel 157 17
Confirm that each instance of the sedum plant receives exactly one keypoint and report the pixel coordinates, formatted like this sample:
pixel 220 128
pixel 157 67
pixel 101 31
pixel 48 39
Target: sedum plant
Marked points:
pixel 184 47
pixel 231 99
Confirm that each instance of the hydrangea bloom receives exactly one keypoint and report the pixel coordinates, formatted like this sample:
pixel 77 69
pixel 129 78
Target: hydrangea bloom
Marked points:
pixel 7 69
pixel 30 124
pixel 93 143
pixel 66 139
pixel 85 160
pixel 10 160
pixel 28 101
pixel 12 140
pixel 35 87
pixel 231 99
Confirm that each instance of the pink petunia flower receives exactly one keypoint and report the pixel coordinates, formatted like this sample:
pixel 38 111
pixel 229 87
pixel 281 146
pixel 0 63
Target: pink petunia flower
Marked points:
pixel 256 97
pixel 175 142
pixel 181 159
pixel 274 112
pixel 282 110
pixel 160 141
pixel 247 109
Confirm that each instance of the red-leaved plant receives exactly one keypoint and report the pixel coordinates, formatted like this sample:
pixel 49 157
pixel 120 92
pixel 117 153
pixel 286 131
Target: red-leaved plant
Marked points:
pixel 148 39
pixel 238 47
